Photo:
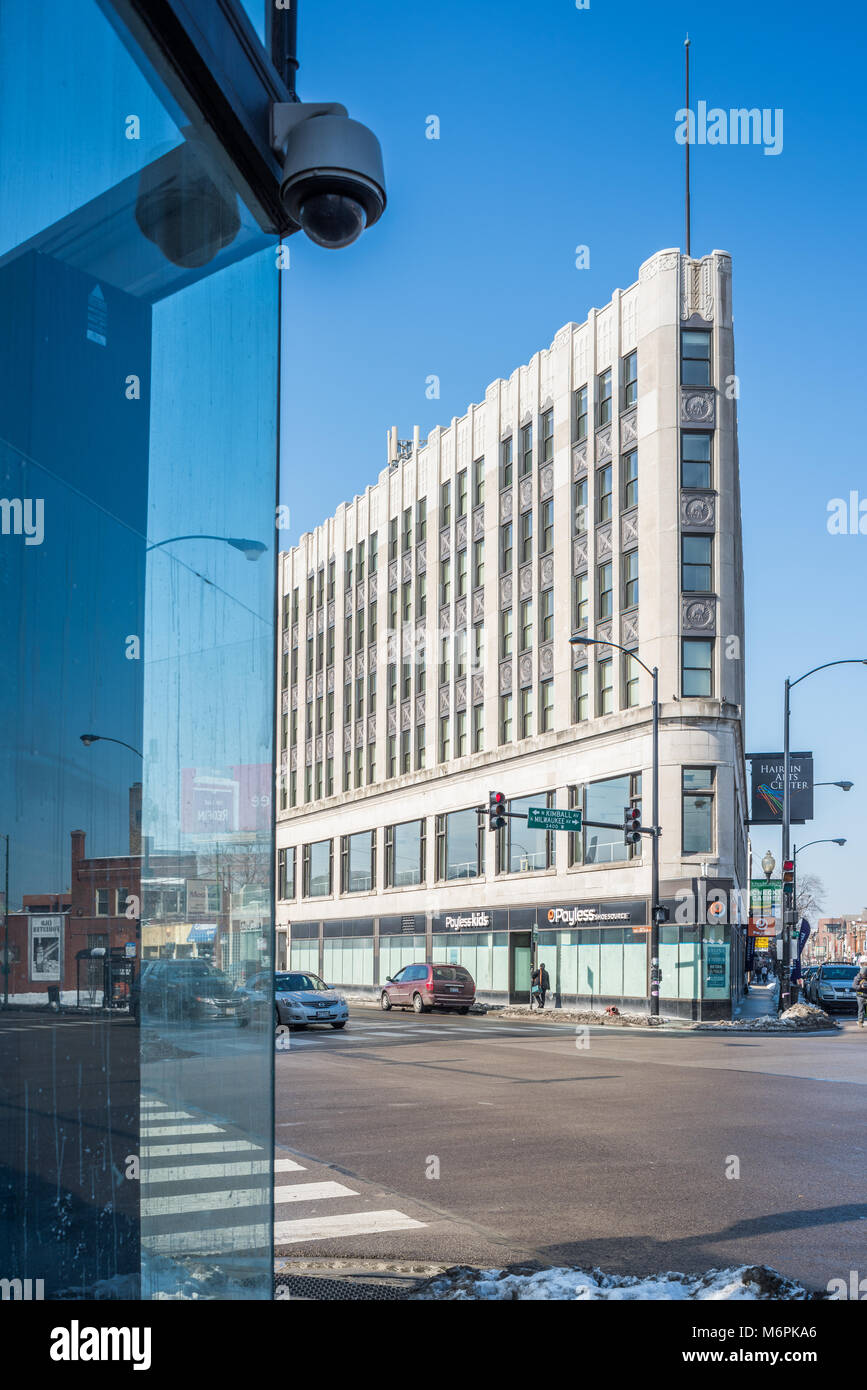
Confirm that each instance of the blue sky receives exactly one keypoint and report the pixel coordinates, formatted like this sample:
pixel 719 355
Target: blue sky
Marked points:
pixel 557 128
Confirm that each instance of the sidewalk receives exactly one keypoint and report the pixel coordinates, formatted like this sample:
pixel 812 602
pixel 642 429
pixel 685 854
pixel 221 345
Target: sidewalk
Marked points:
pixel 761 1000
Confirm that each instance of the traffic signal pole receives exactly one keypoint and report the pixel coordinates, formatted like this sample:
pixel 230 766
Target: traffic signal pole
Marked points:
pixel 655 973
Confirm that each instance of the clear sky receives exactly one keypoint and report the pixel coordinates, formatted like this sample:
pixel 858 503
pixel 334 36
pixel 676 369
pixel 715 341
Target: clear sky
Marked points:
pixel 558 129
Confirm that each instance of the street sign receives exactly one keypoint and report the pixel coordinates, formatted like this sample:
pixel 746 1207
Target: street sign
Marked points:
pixel 549 818
pixel 762 943
pixel 129 950
pixel 763 885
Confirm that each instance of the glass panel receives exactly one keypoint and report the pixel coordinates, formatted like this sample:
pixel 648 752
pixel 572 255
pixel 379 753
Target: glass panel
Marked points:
pixel 138 395
pixel 407 853
pixel 462 855
pixel 605 801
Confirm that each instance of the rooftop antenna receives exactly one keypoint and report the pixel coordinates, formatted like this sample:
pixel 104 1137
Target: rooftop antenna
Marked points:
pixel 688 214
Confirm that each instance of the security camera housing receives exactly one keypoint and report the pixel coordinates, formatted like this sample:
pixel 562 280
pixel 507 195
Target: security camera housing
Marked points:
pixel 333 183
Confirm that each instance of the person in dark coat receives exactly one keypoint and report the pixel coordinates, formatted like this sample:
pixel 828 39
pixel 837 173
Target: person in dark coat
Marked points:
pixel 859 984
pixel 541 983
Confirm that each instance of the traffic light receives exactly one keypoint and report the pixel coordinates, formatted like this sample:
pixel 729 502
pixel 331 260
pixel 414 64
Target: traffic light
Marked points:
pixel 631 825
pixel 496 809
pixel 788 881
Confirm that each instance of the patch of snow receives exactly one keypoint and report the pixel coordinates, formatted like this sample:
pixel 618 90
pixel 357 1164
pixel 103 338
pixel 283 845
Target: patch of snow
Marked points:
pixel 520 1282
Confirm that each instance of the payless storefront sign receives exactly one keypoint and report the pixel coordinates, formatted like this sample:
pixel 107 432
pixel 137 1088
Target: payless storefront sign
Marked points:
pixel 616 914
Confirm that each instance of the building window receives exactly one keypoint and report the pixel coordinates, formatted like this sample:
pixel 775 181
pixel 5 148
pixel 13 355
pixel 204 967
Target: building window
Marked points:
pixel 603 398
pixel 405 751
pixel 460 652
pixel 520 850
pixel 698 797
pixel 478 646
pixel 359 766
pixel 445 659
pixel 358 862
pixel 347 573
pixel 445 503
pixel 371 763
pixel 392 610
pixel 311 581
pixel 392 755
pixel 526 525
pixel 478 728
pixel 581 413
pixel 630 479
pixel 445 582
pixel 506 547
pixel 478 482
pixel 630 681
pixel 460 846
pixel 406 679
pixel 604 591
pixel 606 801
pixel 419 747
pixel 547 536
pixel 392 538
pixel 546 615
pixel 372 614
pixel 526 624
pixel 462 573
pixel 461 733
pixel 406 602
pixel 285 874
pixel 420 520
pixel 329 776
pixel 695 460
pixel 421 596
pixel 359 562
pixel 391 684
pixel 604 486
pixel 406 541
pixel 695 357
pixel 630 579
pixel 546 706
pixel 373 551
pixel 546 437
pixel 506 462
pixel 329 652
pixel 318 869
pixel 478 564
pixel 461 493
pixel 371 692
pixel 629 380
pixel 605 675
pixel 579 506
pixel 445 743
pixel 580 695
pixel 697 564
pixel 331 577
pixel 347 772
pixel 505 633
pixel 101 908
pixel 405 854
pixel 697 667
pixel 505 719
pixel 526 712
pixel 526 450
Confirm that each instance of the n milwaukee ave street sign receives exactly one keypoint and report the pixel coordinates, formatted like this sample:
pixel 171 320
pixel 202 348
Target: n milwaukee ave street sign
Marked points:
pixel 766 781
pixel 549 818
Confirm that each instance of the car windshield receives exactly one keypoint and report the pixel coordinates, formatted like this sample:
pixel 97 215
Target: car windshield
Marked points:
pixel 839 972
pixel 285 983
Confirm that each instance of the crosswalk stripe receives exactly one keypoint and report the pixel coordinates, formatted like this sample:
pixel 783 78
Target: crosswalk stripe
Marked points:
pixel 222 1146
pixel 207 1240
pixel 164 1131
pixel 232 1199
pixel 161 1116
pixel 311 1192
pixel 287 1165
pixel 328 1227
pixel 189 1172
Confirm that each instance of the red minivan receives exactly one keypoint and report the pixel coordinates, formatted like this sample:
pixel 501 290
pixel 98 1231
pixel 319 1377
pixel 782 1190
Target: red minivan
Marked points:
pixel 426 987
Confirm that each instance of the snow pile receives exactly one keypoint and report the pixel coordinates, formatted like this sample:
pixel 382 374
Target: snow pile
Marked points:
pixel 799 1018
pixel 592 1016
pixel 740 1282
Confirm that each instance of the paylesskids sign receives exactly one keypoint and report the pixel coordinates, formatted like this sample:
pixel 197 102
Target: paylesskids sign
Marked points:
pixel 467 921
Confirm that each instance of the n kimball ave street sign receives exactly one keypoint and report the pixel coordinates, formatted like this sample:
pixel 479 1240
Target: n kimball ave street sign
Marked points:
pixel 548 818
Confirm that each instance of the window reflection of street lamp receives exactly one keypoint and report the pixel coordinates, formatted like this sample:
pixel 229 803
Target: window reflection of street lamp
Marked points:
pixel 88 739
pixel 252 549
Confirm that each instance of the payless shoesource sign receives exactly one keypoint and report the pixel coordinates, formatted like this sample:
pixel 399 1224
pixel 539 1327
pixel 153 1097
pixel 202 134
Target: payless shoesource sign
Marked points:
pixel 629 913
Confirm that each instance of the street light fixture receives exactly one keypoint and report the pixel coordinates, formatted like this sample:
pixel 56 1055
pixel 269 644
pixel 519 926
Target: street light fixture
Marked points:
pixel 88 739
pixel 844 786
pixel 251 549
pixel 769 863
pixel 654 861
pixel 785 990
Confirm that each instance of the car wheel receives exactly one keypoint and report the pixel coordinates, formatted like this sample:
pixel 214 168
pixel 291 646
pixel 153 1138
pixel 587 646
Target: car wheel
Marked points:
pixel 339 1025
pixel 418 1005
pixel 384 1002
pixel 464 1011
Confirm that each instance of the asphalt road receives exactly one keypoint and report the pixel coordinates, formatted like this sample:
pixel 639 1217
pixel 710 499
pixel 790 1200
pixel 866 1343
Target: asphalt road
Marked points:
pixel 488 1142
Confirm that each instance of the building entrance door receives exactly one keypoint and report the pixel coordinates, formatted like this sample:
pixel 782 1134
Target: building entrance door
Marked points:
pixel 520 965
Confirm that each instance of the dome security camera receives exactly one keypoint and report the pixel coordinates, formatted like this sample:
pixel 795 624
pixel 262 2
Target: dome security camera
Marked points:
pixel 333 184
pixel 182 210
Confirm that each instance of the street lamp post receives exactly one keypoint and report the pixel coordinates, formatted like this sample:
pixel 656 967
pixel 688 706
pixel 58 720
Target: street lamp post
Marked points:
pixel 88 739
pixel 654 829
pixel 785 989
pixel 251 549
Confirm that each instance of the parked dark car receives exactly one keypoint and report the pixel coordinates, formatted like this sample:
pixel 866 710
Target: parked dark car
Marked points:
pixel 425 987
pixel 171 990
pixel 831 988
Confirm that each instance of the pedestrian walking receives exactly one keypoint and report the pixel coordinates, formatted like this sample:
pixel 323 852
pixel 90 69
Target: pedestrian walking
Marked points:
pixel 860 987
pixel 541 983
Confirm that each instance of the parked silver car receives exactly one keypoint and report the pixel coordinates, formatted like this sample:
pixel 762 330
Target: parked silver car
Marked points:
pixel 831 988
pixel 300 998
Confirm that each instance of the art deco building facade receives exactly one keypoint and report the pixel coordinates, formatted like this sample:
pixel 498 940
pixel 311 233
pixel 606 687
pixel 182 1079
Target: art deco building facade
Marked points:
pixel 426 662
